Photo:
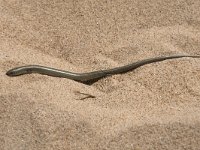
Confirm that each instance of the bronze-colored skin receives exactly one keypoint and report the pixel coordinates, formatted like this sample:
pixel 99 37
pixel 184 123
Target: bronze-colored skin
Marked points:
pixel 89 77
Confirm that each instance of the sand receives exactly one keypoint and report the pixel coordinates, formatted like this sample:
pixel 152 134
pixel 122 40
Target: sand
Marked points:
pixel 156 106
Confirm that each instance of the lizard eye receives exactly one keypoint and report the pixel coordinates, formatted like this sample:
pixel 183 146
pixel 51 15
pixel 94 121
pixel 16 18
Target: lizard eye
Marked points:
pixel 10 73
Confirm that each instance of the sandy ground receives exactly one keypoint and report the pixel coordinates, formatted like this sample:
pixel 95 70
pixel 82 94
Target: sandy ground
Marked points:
pixel 156 106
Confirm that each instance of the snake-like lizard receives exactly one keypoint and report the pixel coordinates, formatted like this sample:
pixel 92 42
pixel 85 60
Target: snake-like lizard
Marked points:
pixel 89 77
